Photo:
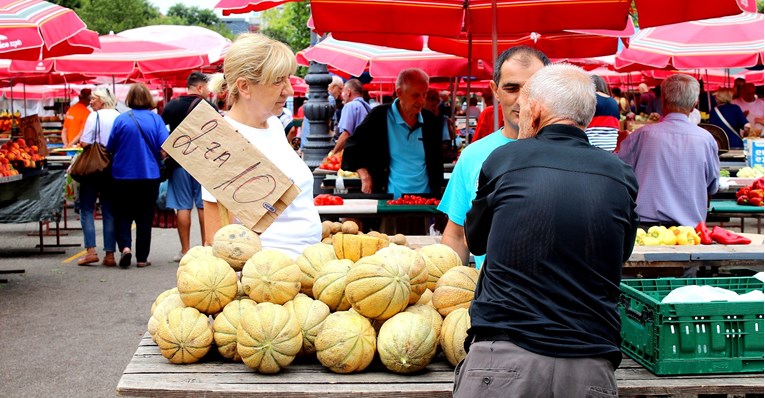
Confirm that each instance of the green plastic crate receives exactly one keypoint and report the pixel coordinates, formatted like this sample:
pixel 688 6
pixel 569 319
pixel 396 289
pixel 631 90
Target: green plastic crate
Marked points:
pixel 691 338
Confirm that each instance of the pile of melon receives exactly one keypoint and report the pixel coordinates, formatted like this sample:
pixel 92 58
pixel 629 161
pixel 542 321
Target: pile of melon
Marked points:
pixel 341 303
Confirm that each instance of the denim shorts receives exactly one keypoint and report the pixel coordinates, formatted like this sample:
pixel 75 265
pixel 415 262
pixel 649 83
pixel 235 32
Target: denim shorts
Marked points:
pixel 183 191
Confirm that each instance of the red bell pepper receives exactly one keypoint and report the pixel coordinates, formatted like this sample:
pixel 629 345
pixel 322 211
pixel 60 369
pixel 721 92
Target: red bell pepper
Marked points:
pixel 742 200
pixel 756 193
pixel 743 191
pixel 758 183
pixel 756 201
pixel 703 231
pixel 725 237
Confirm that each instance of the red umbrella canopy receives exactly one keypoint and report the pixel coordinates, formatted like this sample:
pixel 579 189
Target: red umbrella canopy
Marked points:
pixel 34 29
pixel 244 6
pixel 554 45
pixel 355 58
pixel 727 42
pixel 120 56
pixel 662 12
pixel 38 92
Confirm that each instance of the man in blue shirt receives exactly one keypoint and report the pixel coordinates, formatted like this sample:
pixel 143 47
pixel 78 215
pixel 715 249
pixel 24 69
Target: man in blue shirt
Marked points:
pixel 675 161
pixel 397 148
pixel 514 67
pixel 355 109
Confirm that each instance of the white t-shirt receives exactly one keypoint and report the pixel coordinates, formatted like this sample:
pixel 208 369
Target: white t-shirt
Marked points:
pixel 299 226
pixel 105 118
pixel 755 108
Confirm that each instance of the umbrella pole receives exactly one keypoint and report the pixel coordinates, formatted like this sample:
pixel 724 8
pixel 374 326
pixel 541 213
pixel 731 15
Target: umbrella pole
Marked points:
pixel 494 50
pixel 24 86
pixel 114 87
pixel 14 128
pixel 470 77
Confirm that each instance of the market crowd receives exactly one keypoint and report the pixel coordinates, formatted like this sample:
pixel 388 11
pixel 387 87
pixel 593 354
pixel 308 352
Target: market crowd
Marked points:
pixel 549 203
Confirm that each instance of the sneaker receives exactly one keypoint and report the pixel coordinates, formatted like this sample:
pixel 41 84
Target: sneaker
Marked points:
pixel 177 258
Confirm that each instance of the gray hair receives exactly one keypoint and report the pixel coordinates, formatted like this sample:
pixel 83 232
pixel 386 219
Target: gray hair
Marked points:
pixel 411 75
pixel 336 81
pixel 679 93
pixel 565 90
pixel 600 84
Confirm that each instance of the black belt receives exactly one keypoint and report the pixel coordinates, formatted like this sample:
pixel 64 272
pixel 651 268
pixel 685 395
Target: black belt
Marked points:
pixel 490 335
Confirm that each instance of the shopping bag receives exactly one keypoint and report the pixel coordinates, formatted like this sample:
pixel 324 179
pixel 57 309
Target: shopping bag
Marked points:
pixel 164 219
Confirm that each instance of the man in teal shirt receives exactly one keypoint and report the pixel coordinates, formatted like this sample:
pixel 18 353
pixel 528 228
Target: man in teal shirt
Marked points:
pixel 513 68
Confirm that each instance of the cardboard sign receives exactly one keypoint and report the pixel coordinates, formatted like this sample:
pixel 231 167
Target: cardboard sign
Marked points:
pixel 30 129
pixel 239 176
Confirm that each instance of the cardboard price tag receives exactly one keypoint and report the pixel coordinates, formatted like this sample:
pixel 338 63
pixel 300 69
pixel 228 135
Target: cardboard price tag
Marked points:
pixel 239 176
pixel 31 130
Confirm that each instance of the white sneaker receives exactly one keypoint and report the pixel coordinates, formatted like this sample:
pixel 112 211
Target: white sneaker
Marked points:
pixel 178 257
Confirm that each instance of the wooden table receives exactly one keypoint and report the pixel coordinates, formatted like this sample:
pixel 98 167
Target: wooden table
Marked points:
pixel 727 209
pixel 149 374
pixel 648 260
pixel 416 218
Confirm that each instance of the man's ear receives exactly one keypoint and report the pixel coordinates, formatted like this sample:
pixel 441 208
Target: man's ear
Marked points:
pixel 493 87
pixel 535 110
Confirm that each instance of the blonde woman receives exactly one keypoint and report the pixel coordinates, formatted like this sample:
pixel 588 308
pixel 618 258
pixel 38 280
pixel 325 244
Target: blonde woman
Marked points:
pixel 257 71
pixel 217 87
pixel 729 117
pixel 98 128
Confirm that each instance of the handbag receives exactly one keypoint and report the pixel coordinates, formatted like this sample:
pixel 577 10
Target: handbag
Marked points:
pixel 93 164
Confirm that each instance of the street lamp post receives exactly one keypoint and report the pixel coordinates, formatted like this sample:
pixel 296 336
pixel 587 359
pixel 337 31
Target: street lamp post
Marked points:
pixel 318 112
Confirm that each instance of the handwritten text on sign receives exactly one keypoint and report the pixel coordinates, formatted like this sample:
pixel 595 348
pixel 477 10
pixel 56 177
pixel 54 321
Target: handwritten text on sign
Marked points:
pixel 226 164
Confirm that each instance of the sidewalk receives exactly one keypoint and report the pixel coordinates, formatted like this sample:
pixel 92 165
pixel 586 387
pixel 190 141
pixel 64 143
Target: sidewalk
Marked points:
pixel 68 330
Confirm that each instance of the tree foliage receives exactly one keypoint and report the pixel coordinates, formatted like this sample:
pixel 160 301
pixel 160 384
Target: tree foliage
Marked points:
pixel 180 14
pixel 106 16
pixel 288 24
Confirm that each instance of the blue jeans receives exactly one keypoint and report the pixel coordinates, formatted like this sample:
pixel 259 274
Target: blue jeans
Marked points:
pixel 89 191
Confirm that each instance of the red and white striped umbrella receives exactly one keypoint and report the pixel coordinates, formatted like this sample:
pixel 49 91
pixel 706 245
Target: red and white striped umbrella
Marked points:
pixel 123 57
pixel 727 42
pixel 192 38
pixel 229 7
pixel 34 29
pixel 386 62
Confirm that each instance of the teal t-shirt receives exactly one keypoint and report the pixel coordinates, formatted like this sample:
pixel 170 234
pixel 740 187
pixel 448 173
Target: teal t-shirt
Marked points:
pixel 408 171
pixel 461 190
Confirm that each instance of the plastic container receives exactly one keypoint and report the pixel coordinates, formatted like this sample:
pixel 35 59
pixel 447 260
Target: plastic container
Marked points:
pixel 691 338
pixel 755 152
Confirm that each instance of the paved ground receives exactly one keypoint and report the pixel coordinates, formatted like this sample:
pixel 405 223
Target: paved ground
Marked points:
pixel 68 330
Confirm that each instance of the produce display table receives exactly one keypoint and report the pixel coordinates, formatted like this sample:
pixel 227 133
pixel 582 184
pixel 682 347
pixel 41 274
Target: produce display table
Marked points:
pixel 413 218
pixel 365 207
pixel 36 198
pixel 733 160
pixel 664 260
pixel 149 374
pixel 731 209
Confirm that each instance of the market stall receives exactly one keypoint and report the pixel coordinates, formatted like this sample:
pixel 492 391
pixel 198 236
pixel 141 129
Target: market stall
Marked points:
pixel 149 374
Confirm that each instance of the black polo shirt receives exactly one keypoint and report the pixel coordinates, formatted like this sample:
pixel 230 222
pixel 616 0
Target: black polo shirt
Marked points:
pixel 556 218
